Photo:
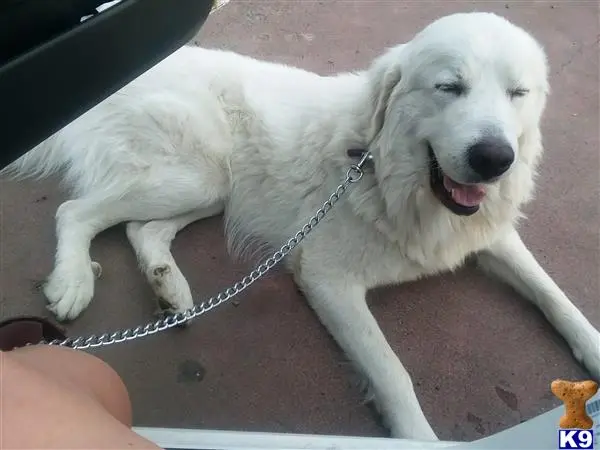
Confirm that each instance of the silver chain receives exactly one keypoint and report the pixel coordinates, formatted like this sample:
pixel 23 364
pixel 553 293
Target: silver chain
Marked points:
pixel 353 175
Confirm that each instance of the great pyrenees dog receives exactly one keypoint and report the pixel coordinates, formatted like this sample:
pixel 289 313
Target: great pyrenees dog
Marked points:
pixel 451 118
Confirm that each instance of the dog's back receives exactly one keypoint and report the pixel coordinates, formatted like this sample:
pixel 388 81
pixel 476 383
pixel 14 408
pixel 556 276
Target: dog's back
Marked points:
pixel 184 109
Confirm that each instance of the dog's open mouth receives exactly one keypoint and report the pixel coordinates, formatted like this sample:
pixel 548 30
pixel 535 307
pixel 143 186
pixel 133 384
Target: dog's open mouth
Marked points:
pixel 461 199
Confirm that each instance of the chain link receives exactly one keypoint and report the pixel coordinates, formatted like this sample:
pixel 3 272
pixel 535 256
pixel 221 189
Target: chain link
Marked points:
pixel 353 175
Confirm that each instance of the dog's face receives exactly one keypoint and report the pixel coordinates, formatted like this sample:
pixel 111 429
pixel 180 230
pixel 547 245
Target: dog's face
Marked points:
pixel 465 91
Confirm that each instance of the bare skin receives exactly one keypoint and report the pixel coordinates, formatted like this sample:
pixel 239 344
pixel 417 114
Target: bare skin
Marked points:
pixel 58 398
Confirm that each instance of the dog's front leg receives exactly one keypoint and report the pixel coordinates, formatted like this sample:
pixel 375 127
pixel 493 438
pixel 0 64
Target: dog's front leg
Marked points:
pixel 341 306
pixel 510 260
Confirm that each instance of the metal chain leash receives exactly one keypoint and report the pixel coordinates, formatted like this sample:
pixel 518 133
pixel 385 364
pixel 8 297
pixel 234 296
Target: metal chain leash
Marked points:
pixel 353 175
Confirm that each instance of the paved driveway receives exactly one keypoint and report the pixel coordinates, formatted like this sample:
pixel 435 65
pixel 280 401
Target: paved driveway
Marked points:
pixel 481 357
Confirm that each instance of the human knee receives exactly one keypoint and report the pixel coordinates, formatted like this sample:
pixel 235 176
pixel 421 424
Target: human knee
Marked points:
pixel 81 371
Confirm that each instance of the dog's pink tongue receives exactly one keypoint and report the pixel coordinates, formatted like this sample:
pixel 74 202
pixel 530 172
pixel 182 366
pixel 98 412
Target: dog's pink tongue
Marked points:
pixel 465 194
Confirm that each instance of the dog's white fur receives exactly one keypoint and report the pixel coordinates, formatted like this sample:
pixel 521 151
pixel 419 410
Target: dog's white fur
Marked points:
pixel 209 130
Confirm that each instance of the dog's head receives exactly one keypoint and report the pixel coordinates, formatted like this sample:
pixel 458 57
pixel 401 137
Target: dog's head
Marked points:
pixel 459 106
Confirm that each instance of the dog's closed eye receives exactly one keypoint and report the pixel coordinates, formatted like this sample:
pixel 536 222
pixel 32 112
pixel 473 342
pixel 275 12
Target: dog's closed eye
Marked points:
pixel 455 88
pixel 518 92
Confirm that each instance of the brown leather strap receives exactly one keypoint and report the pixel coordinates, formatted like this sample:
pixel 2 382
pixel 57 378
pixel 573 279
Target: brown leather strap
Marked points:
pixel 21 331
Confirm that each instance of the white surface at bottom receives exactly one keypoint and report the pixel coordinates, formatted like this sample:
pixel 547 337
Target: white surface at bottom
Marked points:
pixel 541 433
pixel 175 438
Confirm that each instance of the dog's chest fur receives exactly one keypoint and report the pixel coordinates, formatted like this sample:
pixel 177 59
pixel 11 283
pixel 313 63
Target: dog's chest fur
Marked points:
pixel 358 237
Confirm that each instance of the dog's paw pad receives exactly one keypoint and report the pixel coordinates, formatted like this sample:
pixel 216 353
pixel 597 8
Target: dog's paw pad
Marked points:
pixel 161 271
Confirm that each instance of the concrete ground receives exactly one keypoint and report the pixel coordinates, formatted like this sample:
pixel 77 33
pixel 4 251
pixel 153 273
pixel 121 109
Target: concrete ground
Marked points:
pixel 481 357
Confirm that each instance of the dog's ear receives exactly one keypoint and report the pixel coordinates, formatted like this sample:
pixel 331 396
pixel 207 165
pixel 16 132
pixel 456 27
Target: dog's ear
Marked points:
pixel 530 152
pixel 384 74
pixel 531 146
pixel 530 141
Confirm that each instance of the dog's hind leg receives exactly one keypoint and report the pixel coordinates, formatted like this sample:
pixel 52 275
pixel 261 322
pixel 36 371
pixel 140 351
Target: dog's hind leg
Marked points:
pixel 166 193
pixel 151 242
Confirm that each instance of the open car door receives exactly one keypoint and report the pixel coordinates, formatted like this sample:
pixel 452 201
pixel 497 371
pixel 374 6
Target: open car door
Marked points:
pixel 59 58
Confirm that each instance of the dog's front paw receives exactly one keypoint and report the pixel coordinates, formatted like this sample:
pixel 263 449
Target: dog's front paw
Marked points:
pixel 587 352
pixel 419 432
pixel 69 290
pixel 406 424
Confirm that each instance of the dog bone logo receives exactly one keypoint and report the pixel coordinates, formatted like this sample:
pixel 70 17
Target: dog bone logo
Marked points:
pixel 574 395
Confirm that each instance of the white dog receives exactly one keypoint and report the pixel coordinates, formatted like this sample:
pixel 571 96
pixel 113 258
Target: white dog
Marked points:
pixel 452 121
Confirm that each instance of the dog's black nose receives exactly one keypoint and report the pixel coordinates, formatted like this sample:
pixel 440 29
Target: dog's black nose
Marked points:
pixel 490 157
